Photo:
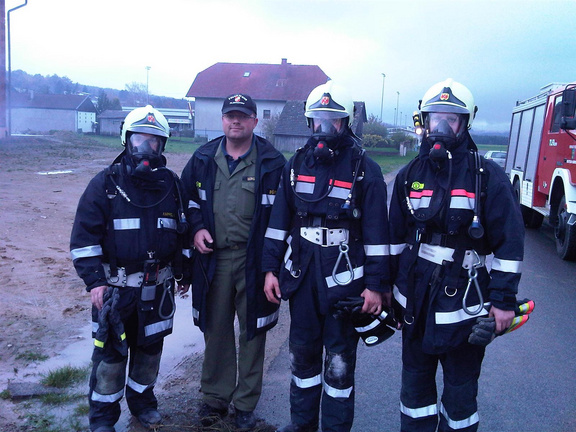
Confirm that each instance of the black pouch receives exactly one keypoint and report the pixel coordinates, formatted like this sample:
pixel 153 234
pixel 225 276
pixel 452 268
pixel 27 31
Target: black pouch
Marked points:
pixel 148 289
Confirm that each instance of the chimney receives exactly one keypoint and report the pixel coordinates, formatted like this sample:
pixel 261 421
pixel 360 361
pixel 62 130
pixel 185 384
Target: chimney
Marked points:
pixel 283 70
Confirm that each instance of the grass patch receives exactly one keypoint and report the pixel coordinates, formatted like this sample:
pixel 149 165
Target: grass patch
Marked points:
pixel 42 423
pixel 65 377
pixel 391 163
pixel 60 399
pixel 82 410
pixel 32 356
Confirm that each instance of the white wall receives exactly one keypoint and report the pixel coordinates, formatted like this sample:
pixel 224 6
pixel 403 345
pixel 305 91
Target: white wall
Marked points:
pixel 85 120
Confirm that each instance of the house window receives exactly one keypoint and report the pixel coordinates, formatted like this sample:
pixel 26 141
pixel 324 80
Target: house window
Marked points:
pixel 246 74
pixel 266 114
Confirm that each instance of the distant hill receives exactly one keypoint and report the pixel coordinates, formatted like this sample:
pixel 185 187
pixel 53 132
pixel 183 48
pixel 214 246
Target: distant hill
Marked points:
pixel 492 138
pixel 133 95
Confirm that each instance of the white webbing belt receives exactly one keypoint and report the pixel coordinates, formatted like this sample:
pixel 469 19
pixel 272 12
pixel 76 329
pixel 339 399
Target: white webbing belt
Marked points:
pixel 439 254
pixel 134 279
pixel 324 236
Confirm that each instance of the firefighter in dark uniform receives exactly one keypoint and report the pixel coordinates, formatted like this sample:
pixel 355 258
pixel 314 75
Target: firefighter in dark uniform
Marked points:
pixel 327 240
pixel 127 246
pixel 450 208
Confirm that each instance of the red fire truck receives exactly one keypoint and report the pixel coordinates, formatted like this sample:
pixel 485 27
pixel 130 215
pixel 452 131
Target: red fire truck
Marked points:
pixel 541 162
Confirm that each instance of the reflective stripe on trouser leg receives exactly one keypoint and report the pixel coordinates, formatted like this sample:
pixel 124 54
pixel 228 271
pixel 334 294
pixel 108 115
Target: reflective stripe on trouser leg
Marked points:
pixel 459 408
pixel 106 390
pixel 418 395
pixel 418 401
pixel 142 375
pixel 306 384
pixel 339 394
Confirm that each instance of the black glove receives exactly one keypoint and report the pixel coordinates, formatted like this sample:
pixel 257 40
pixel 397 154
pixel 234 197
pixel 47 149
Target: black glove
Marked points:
pixel 117 326
pixel 101 335
pixel 350 306
pixel 483 332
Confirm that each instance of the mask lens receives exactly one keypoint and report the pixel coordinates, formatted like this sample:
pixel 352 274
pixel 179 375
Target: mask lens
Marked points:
pixel 145 144
pixel 327 126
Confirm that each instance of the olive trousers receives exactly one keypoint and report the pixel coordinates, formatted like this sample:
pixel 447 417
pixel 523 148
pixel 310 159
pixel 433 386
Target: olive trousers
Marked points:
pixel 229 375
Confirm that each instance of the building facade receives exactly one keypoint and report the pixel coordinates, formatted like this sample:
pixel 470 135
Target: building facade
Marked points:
pixel 270 86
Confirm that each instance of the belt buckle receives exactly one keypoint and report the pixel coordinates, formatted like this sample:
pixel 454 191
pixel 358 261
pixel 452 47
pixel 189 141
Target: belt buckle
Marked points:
pixel 324 236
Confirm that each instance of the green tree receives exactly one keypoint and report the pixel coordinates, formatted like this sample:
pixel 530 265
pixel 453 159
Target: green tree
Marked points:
pixel 375 127
pixel 106 104
pixel 268 127
pixel 374 141
pixel 399 137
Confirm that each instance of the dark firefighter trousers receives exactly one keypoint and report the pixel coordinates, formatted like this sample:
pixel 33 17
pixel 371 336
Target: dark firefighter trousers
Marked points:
pixel 108 377
pixel 458 410
pixel 310 333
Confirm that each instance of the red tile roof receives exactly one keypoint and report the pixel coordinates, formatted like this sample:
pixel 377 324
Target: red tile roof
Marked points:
pixel 274 82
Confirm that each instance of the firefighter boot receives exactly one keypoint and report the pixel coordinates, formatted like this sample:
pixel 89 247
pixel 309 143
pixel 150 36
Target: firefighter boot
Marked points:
pixel 150 419
pixel 245 420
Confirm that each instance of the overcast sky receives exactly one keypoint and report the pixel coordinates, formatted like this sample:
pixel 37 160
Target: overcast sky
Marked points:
pixel 502 50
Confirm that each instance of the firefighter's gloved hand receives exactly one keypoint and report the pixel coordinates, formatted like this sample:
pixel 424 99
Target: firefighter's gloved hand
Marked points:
pixel 483 332
pixel 103 322
pixel 116 326
pixel 350 306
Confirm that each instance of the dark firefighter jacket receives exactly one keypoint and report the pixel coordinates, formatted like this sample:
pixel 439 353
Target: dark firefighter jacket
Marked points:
pixel 431 258
pixel 329 184
pixel 109 229
pixel 198 178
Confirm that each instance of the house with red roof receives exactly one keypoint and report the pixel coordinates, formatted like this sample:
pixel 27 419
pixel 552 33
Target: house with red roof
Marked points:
pixel 269 85
pixel 42 113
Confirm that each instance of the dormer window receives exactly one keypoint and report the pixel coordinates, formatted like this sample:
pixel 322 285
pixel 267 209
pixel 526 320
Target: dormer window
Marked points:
pixel 246 74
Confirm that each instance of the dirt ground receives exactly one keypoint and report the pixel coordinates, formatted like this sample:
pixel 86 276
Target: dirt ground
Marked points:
pixel 43 304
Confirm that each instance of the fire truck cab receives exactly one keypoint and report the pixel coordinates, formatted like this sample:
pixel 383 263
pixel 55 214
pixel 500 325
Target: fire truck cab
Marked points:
pixel 541 162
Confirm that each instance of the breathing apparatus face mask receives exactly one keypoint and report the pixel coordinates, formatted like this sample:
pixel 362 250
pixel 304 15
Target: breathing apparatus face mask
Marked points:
pixel 327 133
pixel 145 151
pixel 443 130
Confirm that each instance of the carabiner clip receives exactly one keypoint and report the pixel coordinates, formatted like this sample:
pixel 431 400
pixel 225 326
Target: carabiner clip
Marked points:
pixel 473 279
pixel 167 295
pixel 343 251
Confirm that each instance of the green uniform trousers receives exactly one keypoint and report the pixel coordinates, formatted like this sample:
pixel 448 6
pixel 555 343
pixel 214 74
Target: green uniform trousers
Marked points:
pixel 227 377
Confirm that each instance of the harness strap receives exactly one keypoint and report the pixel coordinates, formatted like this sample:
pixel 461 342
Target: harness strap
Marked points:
pixel 111 192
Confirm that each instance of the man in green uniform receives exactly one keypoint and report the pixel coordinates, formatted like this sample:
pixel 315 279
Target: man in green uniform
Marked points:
pixel 232 182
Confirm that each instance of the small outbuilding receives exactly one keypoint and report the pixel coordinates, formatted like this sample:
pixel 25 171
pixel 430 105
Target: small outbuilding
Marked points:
pixel 42 113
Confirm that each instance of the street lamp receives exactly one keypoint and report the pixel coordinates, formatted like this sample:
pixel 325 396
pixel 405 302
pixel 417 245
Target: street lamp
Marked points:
pixel 382 102
pixel 147 92
pixel 9 91
pixel 397 102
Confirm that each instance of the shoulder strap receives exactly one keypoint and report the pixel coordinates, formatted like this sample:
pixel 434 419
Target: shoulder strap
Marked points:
pixel 111 192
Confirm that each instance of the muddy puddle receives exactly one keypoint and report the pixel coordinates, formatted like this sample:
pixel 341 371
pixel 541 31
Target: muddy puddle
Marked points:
pixel 183 342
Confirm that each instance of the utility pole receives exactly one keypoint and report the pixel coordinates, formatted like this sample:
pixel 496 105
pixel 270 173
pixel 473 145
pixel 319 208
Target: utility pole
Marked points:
pixel 3 126
pixel 382 101
pixel 147 92
pixel 397 102
pixel 8 92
